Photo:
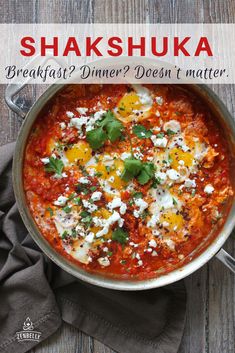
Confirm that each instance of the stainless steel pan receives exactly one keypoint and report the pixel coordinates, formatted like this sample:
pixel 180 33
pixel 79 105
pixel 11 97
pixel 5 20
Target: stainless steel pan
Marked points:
pixel 214 248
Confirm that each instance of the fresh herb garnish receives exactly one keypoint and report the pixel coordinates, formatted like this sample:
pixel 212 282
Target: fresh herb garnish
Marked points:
pixel 156 182
pixel 50 210
pixel 170 132
pixel 160 135
pixel 86 217
pixel 147 173
pixel 141 131
pixel 96 138
pixel 84 214
pixel 82 188
pixel 120 235
pixel 93 188
pixel 65 234
pixel 74 233
pixel 174 201
pixel 55 165
pixel 143 171
pixel 137 195
pixel 109 128
pixel 77 200
pixel 98 174
pixel 67 209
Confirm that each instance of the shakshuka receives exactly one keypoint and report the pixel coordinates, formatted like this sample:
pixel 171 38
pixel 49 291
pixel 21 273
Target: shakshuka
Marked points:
pixel 127 180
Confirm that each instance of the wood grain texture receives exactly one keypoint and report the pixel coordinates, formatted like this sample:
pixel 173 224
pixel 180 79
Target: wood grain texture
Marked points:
pixel 210 325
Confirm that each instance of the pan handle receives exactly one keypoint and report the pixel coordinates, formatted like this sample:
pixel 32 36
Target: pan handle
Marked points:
pixel 14 88
pixel 227 259
pixel 11 91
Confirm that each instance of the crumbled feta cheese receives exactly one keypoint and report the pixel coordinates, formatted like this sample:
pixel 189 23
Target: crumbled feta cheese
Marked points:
pixel 153 221
pixel 170 243
pixel 142 206
pixel 115 217
pixel 104 261
pixel 89 206
pixel 189 183
pixel 165 224
pixel 159 100
pixel 159 141
pixel 90 237
pixel 152 243
pixel 96 196
pixel 172 125
pixel 62 126
pixel 69 114
pixel 157 113
pixel 118 172
pixel 208 189
pixel 161 176
pixel 81 110
pixel 125 155
pixel 61 201
pixel 173 174
pixel 84 180
pixel 45 160
pixel 181 162
pixel 140 263
pixel 117 203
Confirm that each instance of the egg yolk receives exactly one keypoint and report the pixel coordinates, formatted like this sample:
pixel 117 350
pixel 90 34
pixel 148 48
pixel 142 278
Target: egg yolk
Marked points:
pixel 81 152
pixel 111 173
pixel 175 220
pixel 128 103
pixel 177 155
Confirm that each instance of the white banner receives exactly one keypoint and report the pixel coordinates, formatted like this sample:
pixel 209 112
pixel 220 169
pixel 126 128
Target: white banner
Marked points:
pixel 117 53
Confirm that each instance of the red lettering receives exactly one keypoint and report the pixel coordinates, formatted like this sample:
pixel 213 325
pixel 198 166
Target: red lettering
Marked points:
pixel 179 46
pixel 45 46
pixel 91 46
pixel 71 46
pixel 112 44
pixel 203 45
pixel 131 46
pixel 26 42
pixel 154 46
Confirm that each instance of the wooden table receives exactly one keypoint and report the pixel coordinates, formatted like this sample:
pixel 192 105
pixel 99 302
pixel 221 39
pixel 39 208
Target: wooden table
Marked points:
pixel 210 326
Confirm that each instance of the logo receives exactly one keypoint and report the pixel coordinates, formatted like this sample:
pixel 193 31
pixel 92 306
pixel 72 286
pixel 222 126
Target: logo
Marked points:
pixel 28 333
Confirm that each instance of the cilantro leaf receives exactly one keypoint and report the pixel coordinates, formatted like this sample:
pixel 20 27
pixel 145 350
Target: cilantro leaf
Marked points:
pixel 143 177
pixel 133 165
pixel 137 195
pixel 120 235
pixel 147 173
pixel 170 132
pixel 96 138
pixel 50 210
pixel 54 166
pixel 160 135
pixel 108 128
pixel 126 176
pixel 114 130
pixel 67 209
pixel 141 131
pixel 135 168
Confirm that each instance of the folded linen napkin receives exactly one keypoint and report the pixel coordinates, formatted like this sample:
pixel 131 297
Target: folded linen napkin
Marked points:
pixel 36 295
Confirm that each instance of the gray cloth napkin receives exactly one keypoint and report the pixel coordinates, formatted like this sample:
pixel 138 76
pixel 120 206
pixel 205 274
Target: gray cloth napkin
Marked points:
pixel 38 295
